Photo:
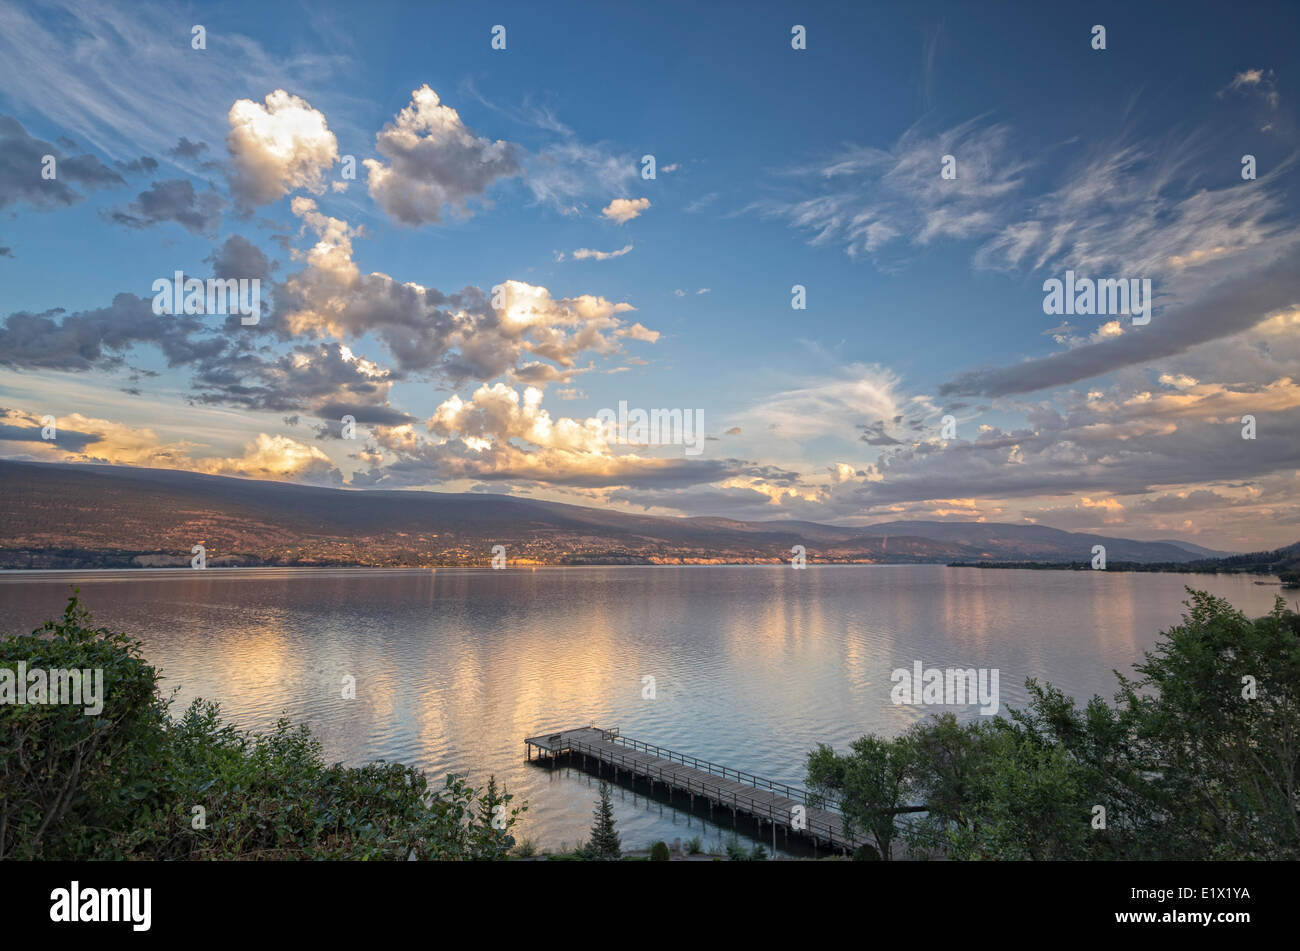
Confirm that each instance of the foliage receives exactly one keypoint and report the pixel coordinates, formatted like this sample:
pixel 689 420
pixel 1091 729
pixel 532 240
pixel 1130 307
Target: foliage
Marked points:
pixel 737 852
pixel 659 852
pixel 131 783
pixel 66 776
pixel 1198 758
pixel 871 782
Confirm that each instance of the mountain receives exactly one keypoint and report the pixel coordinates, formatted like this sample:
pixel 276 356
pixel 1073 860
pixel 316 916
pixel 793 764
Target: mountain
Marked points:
pixel 56 515
pixel 1040 541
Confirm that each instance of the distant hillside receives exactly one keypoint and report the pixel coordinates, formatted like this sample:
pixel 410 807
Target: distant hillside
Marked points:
pixel 1283 562
pixel 77 516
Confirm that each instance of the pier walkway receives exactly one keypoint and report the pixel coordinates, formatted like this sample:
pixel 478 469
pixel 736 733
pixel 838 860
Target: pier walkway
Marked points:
pixel 796 810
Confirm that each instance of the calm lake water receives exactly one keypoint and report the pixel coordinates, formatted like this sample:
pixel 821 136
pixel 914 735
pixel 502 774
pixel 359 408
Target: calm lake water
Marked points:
pixel 753 666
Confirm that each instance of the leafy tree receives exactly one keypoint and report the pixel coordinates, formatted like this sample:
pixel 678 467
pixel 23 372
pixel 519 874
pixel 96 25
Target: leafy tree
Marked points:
pixel 604 845
pixel 1198 758
pixel 1217 707
pixel 871 782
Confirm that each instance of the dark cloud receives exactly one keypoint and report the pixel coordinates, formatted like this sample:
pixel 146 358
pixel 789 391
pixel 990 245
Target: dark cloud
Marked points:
pixel 187 150
pixel 1229 308
pixel 173 200
pixel 96 338
pixel 67 440
pixel 21 164
pixel 374 415
pixel 873 434
pixel 239 258
pixel 144 165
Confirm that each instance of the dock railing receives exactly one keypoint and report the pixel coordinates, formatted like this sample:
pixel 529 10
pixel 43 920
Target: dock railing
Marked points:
pixel 794 793
pixel 811 822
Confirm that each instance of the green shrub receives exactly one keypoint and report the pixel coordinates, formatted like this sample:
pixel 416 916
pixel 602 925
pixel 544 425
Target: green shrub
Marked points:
pixel 659 852
pixel 131 783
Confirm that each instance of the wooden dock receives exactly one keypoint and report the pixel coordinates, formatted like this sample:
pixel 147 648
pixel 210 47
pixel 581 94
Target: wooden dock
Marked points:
pixel 795 810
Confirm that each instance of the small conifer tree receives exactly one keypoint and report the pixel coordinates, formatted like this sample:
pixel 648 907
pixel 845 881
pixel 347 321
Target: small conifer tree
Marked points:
pixel 604 845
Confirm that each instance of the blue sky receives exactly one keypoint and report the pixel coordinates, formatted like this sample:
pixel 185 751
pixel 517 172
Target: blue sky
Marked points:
pixel 821 167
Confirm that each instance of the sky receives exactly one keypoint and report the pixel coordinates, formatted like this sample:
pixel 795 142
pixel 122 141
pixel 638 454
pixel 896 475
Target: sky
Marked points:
pixel 823 233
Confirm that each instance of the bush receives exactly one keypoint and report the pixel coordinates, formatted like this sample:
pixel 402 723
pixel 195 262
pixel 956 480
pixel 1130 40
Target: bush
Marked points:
pixel 131 783
pixel 737 853
pixel 659 852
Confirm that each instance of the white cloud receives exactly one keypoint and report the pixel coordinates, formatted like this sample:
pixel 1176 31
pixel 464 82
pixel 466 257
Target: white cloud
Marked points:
pixel 583 253
pixel 277 148
pixel 623 210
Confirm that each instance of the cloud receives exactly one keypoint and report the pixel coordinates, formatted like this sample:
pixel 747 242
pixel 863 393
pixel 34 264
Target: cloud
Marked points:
pixel 458 336
pixel 22 163
pixel 277 148
pixel 564 173
pixel 435 162
pixel 96 338
pixel 623 210
pixel 237 258
pixel 1258 82
pixel 1129 211
pixel 862 395
pixel 864 198
pixel 174 200
pixel 185 149
pixel 87 439
pixel 124 78
pixel 1230 308
pixel 275 457
pixel 583 253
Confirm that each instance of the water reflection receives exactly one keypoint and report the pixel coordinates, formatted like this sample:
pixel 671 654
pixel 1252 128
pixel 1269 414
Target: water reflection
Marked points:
pixel 752 666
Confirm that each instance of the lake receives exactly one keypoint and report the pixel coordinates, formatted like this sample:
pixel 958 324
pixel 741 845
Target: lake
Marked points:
pixel 752 665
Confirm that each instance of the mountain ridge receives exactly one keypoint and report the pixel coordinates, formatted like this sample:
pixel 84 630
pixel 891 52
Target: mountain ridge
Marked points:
pixel 154 517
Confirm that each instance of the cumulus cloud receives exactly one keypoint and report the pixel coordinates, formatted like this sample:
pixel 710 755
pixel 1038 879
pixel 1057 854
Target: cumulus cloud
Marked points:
pixel 461 336
pixel 623 210
pixel 275 457
pixel 278 147
pixel 434 162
